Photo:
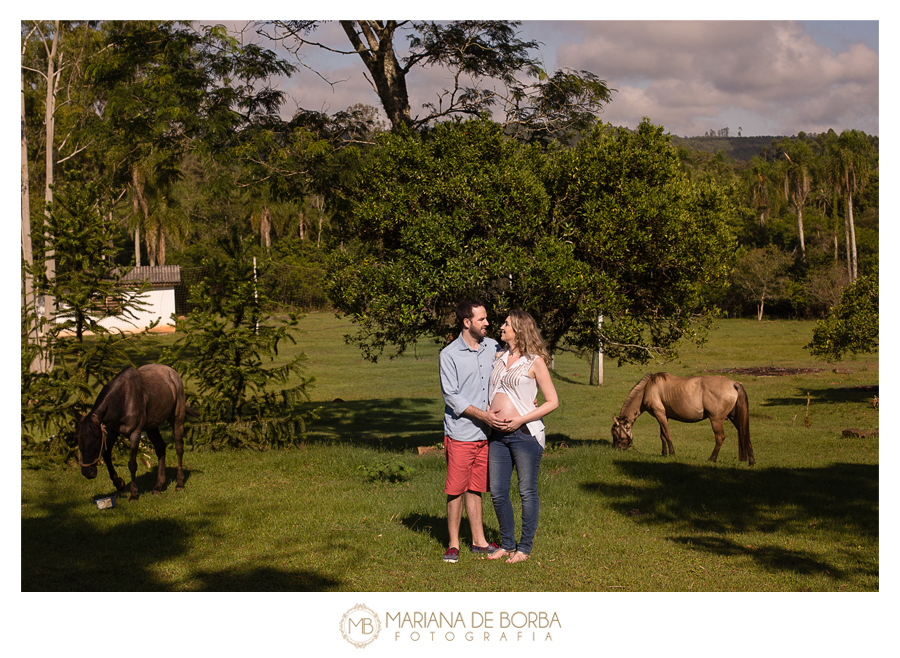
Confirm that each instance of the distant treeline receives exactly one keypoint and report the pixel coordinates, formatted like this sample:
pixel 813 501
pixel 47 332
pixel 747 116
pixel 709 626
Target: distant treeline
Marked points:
pixel 738 148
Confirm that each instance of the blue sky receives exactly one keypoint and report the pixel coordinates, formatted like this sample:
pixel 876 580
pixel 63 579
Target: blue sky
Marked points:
pixel 839 35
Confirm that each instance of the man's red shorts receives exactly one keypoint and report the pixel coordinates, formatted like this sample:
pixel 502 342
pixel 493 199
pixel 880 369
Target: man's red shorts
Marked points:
pixel 467 466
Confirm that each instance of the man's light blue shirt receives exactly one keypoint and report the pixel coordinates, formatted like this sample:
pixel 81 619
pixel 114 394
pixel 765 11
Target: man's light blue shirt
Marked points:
pixel 465 376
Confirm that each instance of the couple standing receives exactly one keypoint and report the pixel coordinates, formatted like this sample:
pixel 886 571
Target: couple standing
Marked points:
pixel 492 424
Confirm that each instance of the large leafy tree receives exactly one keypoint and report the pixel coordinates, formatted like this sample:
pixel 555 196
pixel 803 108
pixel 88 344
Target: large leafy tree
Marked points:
pixel 434 217
pixel 164 88
pixel 851 325
pixel 121 102
pixel 474 52
pixel 656 246
pixel 610 228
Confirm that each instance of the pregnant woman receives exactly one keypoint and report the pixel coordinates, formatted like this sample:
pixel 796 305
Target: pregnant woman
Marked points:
pixel 517 440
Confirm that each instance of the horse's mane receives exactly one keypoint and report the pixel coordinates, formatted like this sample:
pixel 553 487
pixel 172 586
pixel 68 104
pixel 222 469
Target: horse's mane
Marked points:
pixel 657 377
pixel 637 392
pixel 99 403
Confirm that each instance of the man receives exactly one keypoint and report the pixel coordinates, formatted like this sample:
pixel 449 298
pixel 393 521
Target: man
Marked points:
pixel 465 368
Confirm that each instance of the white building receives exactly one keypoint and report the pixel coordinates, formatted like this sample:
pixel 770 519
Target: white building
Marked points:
pixel 158 300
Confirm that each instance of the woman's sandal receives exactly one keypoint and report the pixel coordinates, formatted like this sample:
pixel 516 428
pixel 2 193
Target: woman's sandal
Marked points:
pixel 517 557
pixel 501 553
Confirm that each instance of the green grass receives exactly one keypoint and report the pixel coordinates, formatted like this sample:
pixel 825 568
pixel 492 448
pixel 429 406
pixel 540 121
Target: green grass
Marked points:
pixel 805 518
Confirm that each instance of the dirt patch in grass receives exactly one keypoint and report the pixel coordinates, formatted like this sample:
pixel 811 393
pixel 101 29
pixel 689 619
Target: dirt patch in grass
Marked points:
pixel 769 371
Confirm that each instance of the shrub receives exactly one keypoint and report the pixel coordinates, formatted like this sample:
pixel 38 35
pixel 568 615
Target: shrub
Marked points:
pixel 392 470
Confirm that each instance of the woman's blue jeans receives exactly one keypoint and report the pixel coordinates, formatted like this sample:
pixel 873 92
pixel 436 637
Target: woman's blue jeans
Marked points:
pixel 521 451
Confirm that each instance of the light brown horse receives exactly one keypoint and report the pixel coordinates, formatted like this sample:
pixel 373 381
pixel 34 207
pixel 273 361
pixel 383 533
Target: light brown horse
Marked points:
pixel 687 400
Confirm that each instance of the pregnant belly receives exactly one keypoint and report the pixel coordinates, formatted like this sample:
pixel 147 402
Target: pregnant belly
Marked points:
pixel 503 407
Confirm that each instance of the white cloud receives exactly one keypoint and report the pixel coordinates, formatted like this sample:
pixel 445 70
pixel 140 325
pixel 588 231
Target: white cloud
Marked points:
pixel 689 75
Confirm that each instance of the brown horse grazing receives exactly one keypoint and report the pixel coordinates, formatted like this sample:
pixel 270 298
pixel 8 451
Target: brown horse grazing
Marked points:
pixel 133 400
pixel 688 400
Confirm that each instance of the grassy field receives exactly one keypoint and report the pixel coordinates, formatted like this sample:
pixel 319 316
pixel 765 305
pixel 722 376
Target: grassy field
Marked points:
pixel 805 518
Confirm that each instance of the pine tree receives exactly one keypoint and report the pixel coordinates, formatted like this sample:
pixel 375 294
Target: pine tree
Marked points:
pixel 228 335
pixel 86 289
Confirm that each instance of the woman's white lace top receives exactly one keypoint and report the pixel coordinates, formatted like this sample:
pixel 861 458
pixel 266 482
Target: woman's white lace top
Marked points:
pixel 515 383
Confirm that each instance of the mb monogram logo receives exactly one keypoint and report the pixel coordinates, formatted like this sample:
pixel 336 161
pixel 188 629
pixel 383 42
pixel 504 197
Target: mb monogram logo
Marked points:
pixel 360 626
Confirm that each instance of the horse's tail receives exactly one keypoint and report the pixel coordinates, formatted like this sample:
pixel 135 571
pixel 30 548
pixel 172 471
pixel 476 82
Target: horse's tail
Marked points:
pixel 741 419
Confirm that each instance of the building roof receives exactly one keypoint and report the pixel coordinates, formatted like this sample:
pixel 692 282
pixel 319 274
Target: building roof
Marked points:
pixel 159 275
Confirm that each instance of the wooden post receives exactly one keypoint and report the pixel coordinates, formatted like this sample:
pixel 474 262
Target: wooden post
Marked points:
pixel 597 359
pixel 255 298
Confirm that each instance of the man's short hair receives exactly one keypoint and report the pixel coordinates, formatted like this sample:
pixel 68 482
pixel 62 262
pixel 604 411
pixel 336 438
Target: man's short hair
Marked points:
pixel 465 309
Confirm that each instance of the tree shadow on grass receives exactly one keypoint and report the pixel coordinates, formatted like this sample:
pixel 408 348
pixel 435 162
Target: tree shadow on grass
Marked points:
pixel 702 505
pixel 396 424
pixel 771 558
pixel 265 579
pixel 835 395
pixel 62 551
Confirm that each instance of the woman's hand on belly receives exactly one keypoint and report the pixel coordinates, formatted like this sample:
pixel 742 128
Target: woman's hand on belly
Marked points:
pixel 497 419
pixel 504 415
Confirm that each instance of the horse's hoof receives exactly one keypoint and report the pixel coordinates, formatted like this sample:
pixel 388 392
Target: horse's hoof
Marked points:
pixel 156 492
pixel 133 497
pixel 180 487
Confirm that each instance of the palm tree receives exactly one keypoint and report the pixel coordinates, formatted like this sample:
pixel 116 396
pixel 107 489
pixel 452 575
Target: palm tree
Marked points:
pixel 261 220
pixel 849 168
pixel 156 212
pixel 797 181
pixel 761 188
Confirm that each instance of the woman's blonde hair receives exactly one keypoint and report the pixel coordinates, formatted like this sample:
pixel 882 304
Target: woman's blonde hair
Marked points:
pixel 528 336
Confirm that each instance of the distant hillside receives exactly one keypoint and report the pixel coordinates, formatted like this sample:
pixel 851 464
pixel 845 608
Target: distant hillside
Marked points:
pixel 739 148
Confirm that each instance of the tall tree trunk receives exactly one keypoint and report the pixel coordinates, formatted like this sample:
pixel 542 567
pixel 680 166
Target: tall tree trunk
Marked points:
pixel 799 207
pixel 265 227
pixel 161 247
pixel 29 301
pixel 847 243
pixel 27 255
pixel 137 246
pixel 141 211
pixel 50 127
pixel 851 244
pixel 319 203
pixel 835 204
pixel 152 247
